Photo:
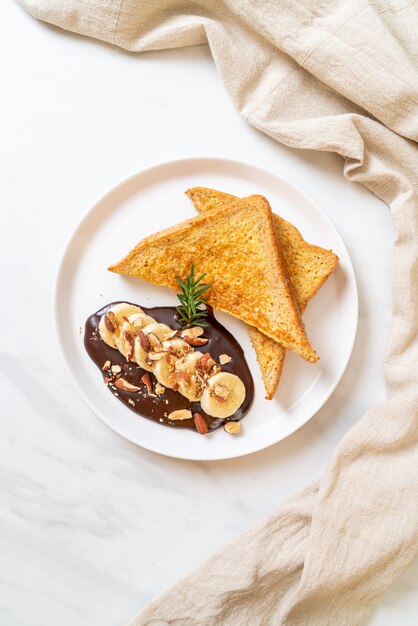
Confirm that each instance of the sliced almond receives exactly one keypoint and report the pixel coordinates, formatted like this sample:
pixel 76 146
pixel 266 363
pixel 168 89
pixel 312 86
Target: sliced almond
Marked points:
pixel 159 389
pixel 144 341
pixel 155 356
pixel 106 365
pixel 233 428
pixel 110 321
pixel 196 331
pixel 136 319
pixel 200 423
pixel 146 379
pixel 224 359
pixel 156 344
pixel 116 369
pixel 170 335
pixel 181 414
pixel 123 384
pixel 195 341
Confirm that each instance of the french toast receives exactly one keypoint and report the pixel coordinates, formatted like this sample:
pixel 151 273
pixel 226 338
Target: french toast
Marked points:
pixel 238 248
pixel 308 268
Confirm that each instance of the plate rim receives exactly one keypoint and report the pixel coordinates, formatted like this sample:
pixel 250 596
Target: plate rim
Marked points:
pixel 184 161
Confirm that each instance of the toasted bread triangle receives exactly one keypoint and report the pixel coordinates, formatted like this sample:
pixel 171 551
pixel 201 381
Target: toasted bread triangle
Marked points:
pixel 239 251
pixel 308 267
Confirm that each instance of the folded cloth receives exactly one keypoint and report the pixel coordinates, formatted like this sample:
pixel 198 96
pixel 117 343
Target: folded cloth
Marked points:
pixel 337 76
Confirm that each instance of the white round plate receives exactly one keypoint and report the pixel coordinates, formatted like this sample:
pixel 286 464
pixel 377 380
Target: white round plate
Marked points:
pixel 150 201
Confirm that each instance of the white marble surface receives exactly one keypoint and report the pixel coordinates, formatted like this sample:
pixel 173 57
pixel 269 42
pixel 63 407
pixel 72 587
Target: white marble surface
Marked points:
pixel 91 527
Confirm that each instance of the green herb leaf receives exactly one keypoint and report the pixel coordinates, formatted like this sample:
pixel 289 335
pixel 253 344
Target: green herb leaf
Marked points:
pixel 189 313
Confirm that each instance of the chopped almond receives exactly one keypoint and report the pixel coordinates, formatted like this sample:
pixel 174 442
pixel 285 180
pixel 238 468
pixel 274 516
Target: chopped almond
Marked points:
pixel 144 341
pixel 129 344
pixel 196 331
pixel 123 384
pixel 184 376
pixel 159 389
pixel 156 344
pixel 205 363
pixel 200 423
pixel 233 428
pixel 181 414
pixel 146 379
pixel 110 321
pixel 221 392
pixel 195 341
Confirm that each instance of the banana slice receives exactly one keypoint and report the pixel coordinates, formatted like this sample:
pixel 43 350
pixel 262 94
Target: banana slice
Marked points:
pixel 139 320
pixel 162 368
pixel 160 330
pixel 124 346
pixel 140 356
pixel 189 385
pixel 163 371
pixel 223 396
pixel 120 311
pixel 180 347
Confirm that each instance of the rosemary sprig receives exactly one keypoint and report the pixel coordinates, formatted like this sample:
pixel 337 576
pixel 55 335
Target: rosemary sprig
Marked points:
pixel 190 312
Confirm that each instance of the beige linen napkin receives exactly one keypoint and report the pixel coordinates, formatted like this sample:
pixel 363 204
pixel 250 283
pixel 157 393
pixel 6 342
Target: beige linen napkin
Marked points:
pixel 339 76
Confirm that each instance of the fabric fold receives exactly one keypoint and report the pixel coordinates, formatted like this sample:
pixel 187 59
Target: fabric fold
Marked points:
pixel 240 601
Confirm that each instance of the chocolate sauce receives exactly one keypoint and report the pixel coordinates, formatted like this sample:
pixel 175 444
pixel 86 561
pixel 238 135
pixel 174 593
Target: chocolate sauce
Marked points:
pixel 157 408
